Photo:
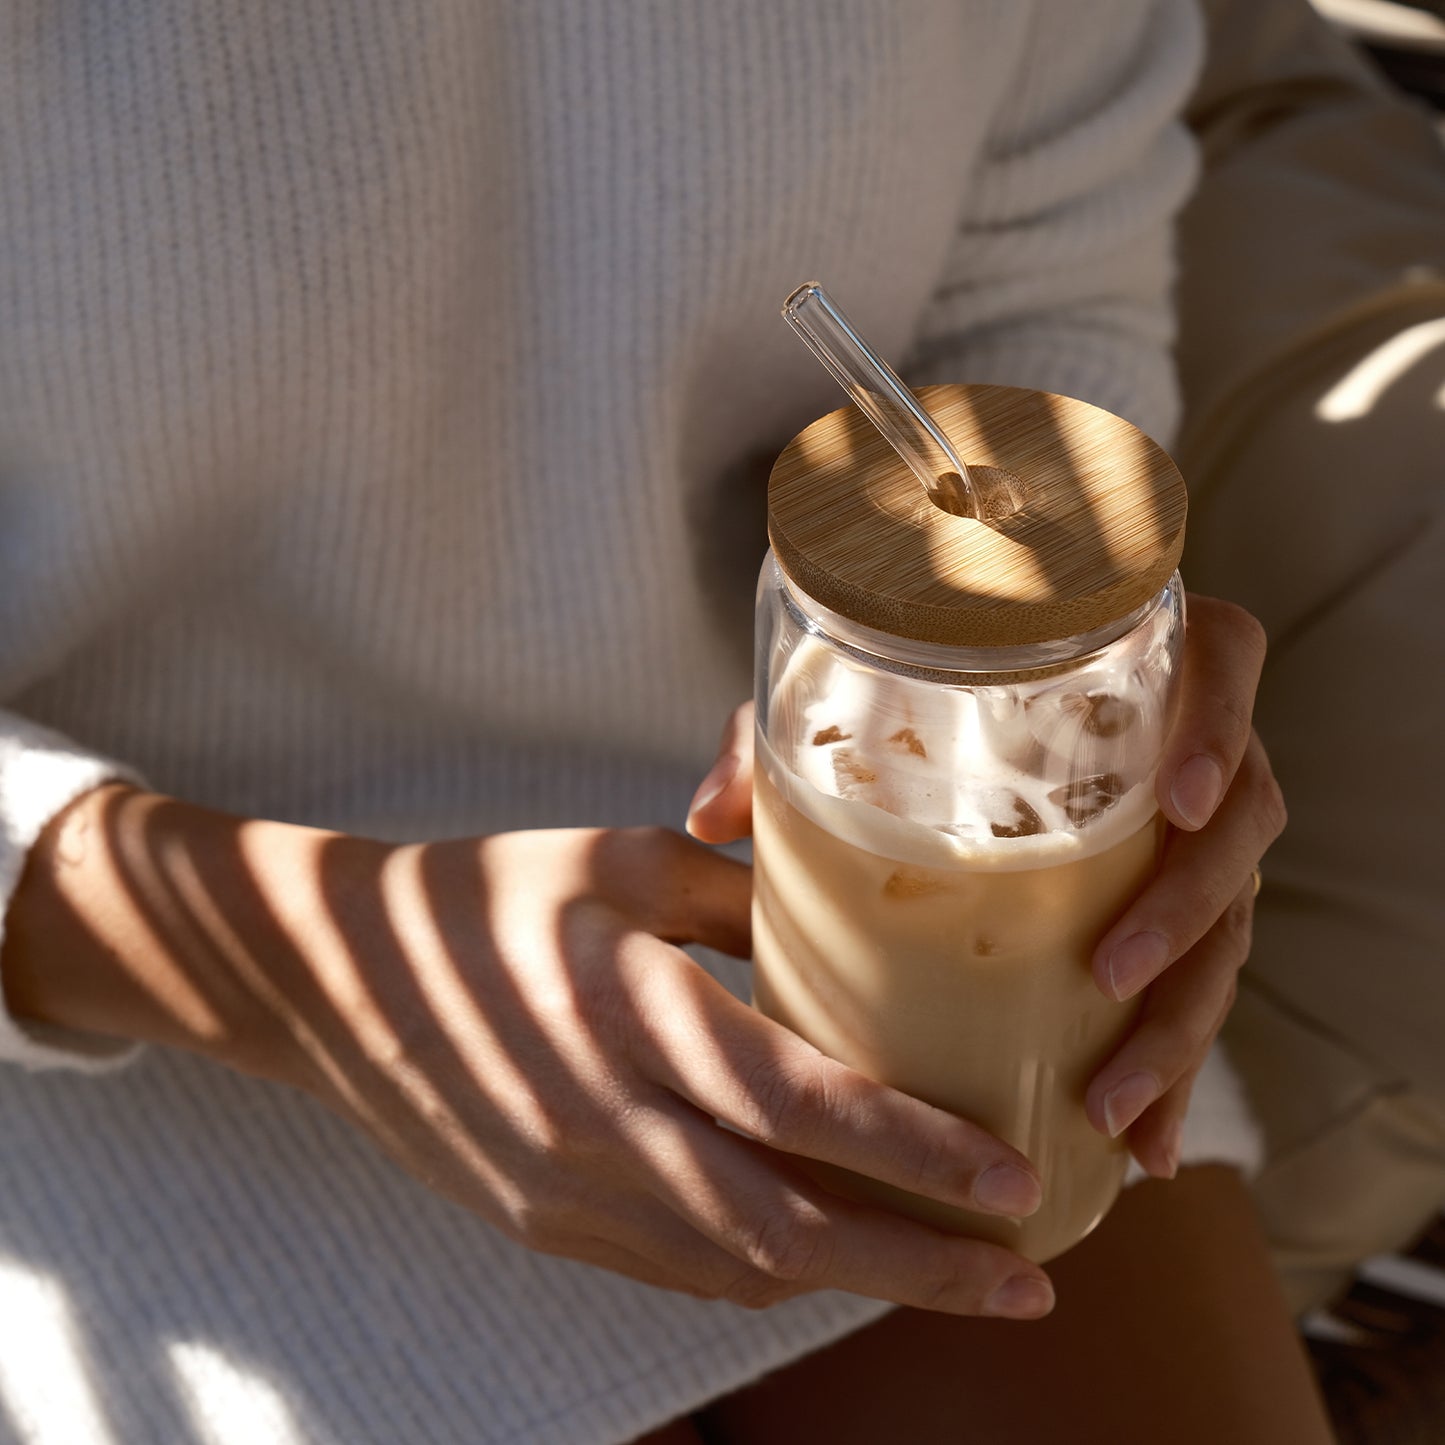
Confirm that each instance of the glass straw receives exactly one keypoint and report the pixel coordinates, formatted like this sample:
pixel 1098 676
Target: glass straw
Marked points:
pixel 984 492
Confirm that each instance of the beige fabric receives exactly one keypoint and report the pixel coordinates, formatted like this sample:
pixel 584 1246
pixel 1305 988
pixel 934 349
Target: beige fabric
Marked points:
pixel 1355 1166
pixel 1313 355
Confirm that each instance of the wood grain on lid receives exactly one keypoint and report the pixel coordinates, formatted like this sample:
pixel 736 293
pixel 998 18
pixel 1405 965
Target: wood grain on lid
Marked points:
pixel 1100 533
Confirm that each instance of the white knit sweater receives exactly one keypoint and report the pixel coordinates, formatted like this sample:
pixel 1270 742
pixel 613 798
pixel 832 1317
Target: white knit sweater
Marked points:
pixel 376 384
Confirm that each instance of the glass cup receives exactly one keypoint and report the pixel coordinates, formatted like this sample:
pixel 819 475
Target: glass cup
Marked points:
pixel 942 834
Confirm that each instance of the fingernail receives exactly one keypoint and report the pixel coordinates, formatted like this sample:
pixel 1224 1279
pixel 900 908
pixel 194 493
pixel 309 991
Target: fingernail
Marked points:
pixel 1007 1189
pixel 1135 961
pixel 1198 786
pixel 1173 1147
pixel 1127 1100
pixel 723 772
pixel 1021 1298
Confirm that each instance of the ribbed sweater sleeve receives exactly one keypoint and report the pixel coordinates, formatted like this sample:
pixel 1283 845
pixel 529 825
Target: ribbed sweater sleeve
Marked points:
pixel 41 772
pixel 1061 272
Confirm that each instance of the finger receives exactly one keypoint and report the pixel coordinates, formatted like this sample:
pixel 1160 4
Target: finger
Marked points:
pixel 1181 1016
pixel 790 1236
pixel 659 1247
pixel 1198 877
pixel 674 888
pixel 698 1041
pixel 1223 654
pixel 655 1236
pixel 1157 1139
pixel 722 808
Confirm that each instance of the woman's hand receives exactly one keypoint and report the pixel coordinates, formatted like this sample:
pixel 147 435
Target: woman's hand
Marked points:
pixel 1187 935
pixel 512 1021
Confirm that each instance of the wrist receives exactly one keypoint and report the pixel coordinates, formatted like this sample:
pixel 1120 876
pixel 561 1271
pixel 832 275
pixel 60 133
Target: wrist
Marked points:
pixel 138 918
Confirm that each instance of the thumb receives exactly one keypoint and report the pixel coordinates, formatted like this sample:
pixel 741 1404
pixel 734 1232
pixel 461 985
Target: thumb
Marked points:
pixel 722 808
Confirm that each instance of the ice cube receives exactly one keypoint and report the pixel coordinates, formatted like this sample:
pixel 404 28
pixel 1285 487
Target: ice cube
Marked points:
pixel 1104 714
pixel 909 741
pixel 1013 817
pixel 850 773
pixel 1083 799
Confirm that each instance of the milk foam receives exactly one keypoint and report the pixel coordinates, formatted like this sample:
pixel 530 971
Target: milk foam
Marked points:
pixel 942 776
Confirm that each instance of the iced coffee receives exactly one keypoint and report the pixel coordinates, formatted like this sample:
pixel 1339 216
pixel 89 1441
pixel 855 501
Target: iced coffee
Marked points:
pixel 960 720
pixel 935 866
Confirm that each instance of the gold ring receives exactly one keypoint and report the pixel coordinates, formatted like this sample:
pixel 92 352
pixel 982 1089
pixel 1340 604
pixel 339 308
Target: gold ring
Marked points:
pixel 1257 878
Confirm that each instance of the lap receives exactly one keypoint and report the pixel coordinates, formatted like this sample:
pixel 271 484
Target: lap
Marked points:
pixel 1331 528
pixel 1170 1325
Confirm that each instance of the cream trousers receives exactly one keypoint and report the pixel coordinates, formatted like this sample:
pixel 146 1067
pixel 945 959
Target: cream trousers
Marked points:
pixel 1312 352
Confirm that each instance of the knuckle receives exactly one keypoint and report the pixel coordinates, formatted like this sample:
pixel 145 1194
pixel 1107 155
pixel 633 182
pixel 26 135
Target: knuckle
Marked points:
pixel 1247 630
pixel 1231 993
pixel 1238 919
pixel 1266 795
pixel 593 1003
pixel 1274 807
pixel 755 1291
pixel 791 1243
pixel 1181 1041
pixel 1223 1001
pixel 698 1290
pixel 1215 898
pixel 937 1162
pixel 534 1225
pixel 1240 924
pixel 779 1100
pixel 655 846
pixel 1228 937
pixel 1238 710
pixel 955 1282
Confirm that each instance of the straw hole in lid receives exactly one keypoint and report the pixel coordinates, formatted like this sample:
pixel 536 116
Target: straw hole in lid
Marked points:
pixel 991 493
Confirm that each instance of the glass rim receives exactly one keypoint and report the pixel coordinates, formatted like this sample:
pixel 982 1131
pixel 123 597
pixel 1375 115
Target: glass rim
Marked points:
pixel 940 661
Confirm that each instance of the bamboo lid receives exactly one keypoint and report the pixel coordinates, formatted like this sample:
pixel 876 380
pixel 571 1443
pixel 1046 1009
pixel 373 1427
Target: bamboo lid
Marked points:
pixel 1100 531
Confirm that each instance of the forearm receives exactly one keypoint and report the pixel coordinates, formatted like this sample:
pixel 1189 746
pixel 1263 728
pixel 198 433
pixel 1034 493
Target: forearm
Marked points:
pixel 147 919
